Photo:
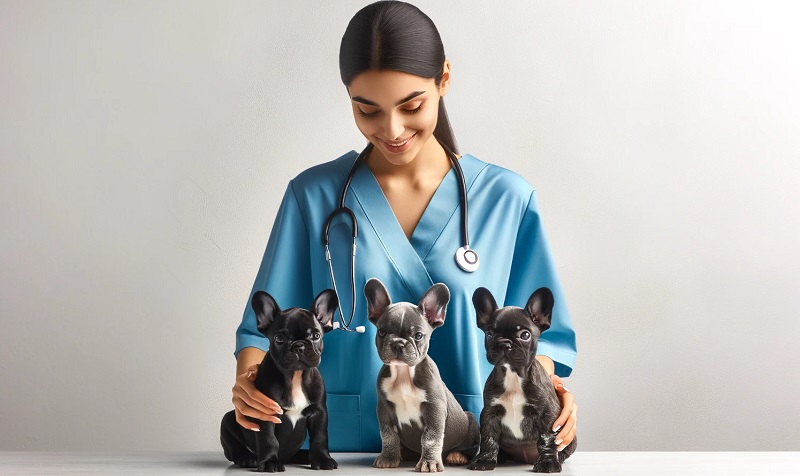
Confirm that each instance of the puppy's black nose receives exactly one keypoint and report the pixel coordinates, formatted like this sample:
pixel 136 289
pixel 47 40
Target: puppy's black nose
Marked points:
pixel 299 346
pixel 504 344
pixel 398 348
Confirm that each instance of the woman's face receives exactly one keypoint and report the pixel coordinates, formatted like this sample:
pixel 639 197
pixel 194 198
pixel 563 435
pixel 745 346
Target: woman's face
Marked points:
pixel 397 111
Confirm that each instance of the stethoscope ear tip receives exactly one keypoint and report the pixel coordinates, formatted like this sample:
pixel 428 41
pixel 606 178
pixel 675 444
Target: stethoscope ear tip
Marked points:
pixel 361 329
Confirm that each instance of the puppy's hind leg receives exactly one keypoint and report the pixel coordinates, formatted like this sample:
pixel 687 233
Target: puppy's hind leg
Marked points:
pixel 233 441
pixel 470 446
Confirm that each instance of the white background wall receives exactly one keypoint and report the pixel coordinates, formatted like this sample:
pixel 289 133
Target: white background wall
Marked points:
pixel 145 147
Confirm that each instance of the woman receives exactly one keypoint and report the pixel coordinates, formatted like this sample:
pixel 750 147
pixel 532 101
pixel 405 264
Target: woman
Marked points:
pixel 405 196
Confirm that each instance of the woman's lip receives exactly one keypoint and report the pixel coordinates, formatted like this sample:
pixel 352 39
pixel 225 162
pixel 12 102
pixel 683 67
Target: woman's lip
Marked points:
pixel 397 149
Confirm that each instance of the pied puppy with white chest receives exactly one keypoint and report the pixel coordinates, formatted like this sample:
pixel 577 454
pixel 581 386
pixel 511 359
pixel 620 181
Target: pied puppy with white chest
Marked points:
pixel 288 374
pixel 418 415
pixel 520 404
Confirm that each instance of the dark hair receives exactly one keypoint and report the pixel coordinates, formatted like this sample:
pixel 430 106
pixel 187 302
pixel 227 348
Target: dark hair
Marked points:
pixel 394 35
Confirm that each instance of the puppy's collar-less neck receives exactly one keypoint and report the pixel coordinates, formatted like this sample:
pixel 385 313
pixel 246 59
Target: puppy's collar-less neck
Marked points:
pixel 287 374
pixel 526 371
pixel 400 363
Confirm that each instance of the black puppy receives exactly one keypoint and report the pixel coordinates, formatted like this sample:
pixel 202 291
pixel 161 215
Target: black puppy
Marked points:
pixel 289 375
pixel 520 404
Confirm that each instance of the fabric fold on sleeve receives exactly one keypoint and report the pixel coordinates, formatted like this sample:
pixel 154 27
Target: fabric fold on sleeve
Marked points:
pixel 285 270
pixel 533 267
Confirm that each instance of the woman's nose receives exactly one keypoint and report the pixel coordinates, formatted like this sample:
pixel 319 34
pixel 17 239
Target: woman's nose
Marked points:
pixel 393 127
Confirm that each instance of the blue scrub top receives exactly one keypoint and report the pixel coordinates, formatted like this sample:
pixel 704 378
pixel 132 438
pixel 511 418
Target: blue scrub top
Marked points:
pixel 504 228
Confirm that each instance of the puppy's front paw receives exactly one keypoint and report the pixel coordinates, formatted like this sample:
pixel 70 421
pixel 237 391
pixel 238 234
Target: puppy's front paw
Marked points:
pixel 270 466
pixel 323 462
pixel 482 464
pixel 384 461
pixel 245 463
pixel 429 466
pixel 547 466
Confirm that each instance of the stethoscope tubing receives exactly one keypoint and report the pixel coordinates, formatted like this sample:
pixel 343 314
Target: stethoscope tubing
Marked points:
pixel 343 209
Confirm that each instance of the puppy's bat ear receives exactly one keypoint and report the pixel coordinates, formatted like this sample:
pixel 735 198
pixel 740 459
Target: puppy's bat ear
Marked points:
pixel 540 307
pixel 324 307
pixel 377 299
pixel 433 304
pixel 266 309
pixel 485 305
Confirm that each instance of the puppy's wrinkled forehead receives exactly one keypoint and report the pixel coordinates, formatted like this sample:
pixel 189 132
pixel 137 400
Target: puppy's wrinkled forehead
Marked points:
pixel 402 318
pixel 297 323
pixel 511 318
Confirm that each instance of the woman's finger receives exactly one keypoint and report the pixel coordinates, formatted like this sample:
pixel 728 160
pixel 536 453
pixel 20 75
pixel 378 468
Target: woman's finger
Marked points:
pixel 253 397
pixel 567 433
pixel 568 439
pixel 566 409
pixel 250 401
pixel 245 410
pixel 245 423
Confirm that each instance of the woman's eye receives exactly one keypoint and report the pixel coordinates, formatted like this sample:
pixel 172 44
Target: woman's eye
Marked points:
pixel 418 335
pixel 525 335
pixel 405 111
pixel 382 332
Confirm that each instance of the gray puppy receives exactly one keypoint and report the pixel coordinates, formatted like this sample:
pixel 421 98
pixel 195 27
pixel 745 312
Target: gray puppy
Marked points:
pixel 416 411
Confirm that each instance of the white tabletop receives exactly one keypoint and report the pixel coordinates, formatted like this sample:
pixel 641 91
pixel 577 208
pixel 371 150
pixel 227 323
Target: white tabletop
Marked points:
pixel 581 463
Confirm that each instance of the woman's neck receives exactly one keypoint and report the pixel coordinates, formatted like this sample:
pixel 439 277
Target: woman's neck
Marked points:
pixel 431 160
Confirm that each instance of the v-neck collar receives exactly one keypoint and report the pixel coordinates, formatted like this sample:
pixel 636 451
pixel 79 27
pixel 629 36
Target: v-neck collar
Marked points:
pixel 407 254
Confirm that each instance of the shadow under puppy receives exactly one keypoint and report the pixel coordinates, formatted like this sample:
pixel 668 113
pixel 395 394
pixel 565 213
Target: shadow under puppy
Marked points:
pixel 289 376
pixel 520 403
pixel 416 411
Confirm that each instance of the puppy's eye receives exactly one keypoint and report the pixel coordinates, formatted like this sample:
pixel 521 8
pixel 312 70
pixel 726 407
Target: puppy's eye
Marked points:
pixel 489 334
pixel 524 335
pixel 315 336
pixel 381 332
pixel 418 335
pixel 278 340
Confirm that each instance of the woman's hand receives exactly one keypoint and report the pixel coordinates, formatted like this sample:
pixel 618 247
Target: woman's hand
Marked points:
pixel 249 401
pixel 568 420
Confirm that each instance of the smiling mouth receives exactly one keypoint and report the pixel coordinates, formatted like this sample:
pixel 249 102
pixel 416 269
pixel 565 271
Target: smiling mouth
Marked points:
pixel 399 143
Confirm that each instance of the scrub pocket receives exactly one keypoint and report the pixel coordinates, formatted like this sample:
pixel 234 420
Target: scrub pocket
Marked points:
pixel 344 422
pixel 470 403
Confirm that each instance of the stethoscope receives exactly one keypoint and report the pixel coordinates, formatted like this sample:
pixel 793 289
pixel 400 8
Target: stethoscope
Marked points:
pixel 466 257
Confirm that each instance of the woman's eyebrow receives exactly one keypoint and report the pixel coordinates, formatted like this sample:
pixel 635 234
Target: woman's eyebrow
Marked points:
pixel 405 99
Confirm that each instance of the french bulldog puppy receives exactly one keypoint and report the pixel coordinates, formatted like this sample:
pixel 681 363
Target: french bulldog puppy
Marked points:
pixel 418 415
pixel 289 375
pixel 520 403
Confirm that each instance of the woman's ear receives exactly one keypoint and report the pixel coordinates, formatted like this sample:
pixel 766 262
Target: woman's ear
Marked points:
pixel 444 84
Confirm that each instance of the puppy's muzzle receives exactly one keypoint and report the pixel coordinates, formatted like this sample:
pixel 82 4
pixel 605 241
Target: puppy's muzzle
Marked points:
pixel 398 347
pixel 504 345
pixel 299 347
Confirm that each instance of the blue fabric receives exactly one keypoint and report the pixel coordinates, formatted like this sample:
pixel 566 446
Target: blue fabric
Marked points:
pixel 504 228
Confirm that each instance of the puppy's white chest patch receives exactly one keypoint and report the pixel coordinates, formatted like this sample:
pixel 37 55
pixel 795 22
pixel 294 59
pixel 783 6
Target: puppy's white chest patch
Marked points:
pixel 513 400
pixel 407 398
pixel 297 399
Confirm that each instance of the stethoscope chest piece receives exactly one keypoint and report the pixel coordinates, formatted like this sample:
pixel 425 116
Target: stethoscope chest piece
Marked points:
pixel 467 259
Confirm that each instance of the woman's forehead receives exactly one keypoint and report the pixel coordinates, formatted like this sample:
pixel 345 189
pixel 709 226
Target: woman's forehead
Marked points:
pixel 388 86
